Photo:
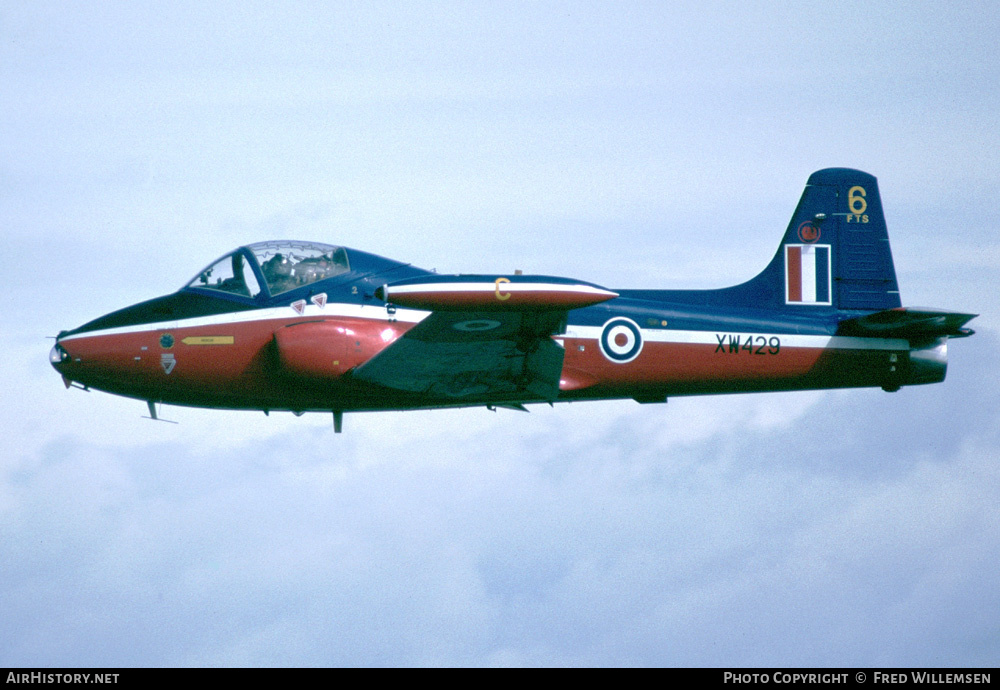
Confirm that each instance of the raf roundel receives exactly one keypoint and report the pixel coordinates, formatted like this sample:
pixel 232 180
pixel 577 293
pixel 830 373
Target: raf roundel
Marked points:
pixel 621 340
pixel 476 325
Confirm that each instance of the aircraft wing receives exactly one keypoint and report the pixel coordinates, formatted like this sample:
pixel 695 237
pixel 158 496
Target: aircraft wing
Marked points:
pixel 457 354
pixel 906 322
pixel 485 336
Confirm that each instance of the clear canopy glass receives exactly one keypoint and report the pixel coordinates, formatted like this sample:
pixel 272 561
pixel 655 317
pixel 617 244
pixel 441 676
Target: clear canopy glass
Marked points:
pixel 288 265
pixel 285 265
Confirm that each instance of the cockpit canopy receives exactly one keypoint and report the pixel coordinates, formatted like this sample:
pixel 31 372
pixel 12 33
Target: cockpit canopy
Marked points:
pixel 279 266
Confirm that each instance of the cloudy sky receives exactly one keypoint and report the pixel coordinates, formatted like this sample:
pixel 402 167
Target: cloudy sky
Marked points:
pixel 629 144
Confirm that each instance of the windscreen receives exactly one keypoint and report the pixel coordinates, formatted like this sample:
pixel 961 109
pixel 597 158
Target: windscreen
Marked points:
pixel 231 273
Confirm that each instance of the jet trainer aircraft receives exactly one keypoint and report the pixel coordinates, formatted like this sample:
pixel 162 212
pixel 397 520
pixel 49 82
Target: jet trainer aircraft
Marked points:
pixel 304 326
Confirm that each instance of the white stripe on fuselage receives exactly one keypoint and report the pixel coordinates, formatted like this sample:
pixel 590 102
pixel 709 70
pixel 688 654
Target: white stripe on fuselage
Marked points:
pixel 491 286
pixel 379 313
pixel 663 335
pixel 357 311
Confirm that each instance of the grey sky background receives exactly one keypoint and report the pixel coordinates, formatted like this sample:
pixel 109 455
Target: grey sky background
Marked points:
pixel 628 144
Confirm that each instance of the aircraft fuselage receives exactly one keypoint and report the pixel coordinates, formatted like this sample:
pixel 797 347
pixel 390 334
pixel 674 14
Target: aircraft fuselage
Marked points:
pixel 305 326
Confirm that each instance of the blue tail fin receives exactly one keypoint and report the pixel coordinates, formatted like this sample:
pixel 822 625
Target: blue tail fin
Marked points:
pixel 835 253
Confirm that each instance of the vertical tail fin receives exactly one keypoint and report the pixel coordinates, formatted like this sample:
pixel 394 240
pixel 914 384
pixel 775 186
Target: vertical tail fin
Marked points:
pixel 835 253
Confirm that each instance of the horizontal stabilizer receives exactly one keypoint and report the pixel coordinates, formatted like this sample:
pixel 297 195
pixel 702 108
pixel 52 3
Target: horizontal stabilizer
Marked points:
pixel 906 322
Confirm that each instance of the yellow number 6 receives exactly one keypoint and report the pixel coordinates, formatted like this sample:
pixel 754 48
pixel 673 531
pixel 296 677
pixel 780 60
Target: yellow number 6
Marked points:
pixel 856 200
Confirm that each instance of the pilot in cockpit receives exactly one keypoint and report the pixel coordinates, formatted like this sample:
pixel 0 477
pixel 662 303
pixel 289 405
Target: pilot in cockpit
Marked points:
pixel 278 273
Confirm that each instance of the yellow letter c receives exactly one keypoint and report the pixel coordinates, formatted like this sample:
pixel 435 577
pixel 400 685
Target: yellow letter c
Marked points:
pixel 496 290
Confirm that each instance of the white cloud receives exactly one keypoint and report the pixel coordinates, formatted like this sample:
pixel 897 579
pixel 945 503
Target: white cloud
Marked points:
pixel 563 537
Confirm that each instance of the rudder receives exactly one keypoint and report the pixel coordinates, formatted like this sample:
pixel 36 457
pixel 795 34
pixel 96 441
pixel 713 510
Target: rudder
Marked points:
pixel 863 274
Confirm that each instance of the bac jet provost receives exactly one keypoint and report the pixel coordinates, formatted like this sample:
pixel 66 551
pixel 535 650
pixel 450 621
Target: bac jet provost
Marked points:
pixel 304 326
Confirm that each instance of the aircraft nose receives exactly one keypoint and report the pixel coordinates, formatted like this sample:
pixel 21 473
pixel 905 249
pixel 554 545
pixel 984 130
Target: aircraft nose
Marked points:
pixel 57 355
pixel 60 359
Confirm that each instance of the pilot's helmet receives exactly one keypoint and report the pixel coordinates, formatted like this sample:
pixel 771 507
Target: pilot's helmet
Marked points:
pixel 277 265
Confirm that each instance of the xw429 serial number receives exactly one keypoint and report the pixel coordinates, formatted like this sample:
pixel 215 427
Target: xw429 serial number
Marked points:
pixel 729 344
